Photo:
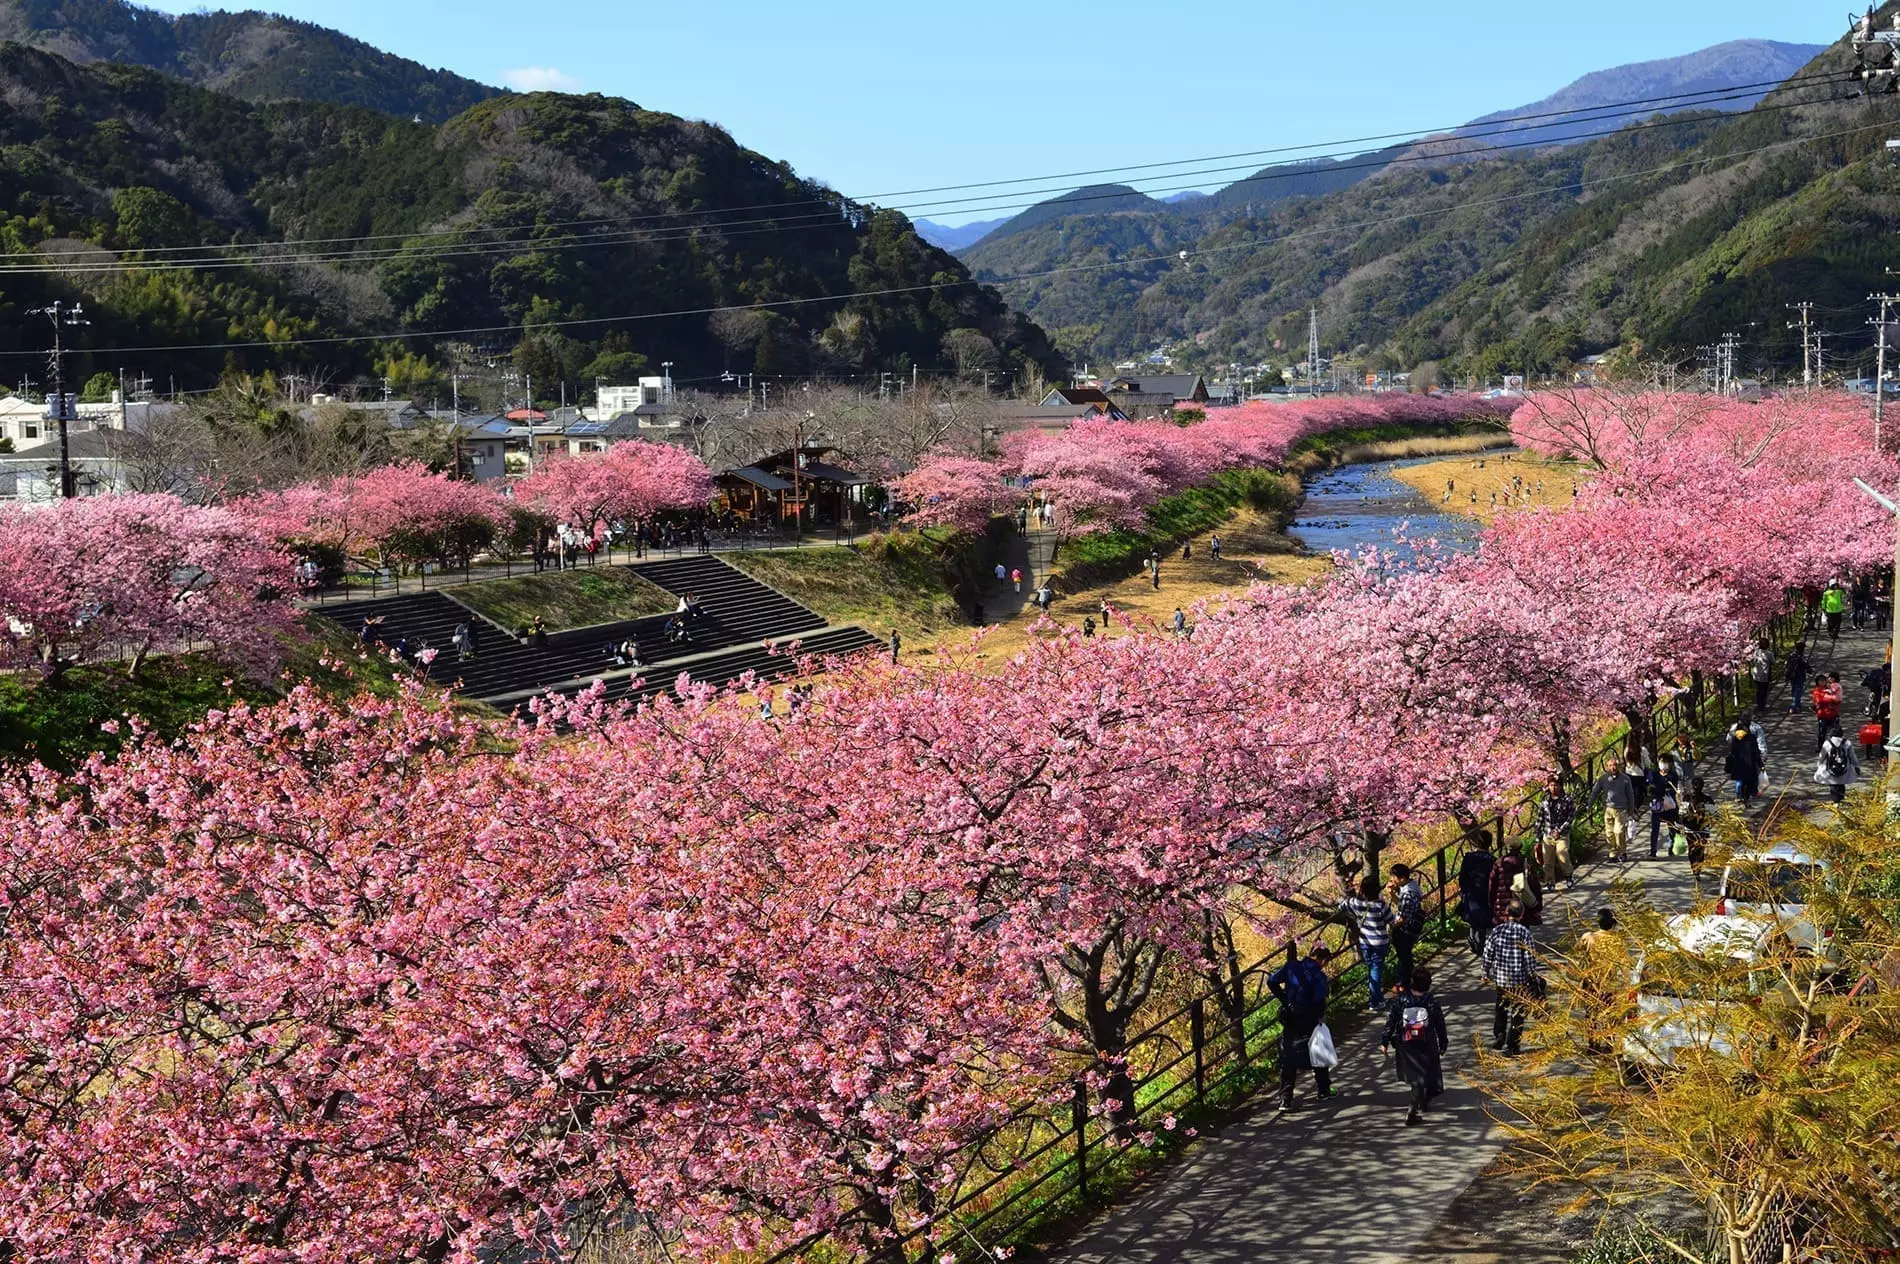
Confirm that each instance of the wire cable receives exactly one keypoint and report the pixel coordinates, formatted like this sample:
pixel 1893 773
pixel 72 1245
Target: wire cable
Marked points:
pixel 1697 99
pixel 931 287
pixel 771 224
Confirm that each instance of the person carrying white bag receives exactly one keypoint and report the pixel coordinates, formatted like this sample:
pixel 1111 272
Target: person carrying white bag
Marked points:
pixel 1301 987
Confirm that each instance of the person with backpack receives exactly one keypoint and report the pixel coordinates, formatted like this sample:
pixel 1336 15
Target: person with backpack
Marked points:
pixel 1836 767
pixel 1797 672
pixel 1833 606
pixel 1474 892
pixel 1761 670
pixel 1826 697
pixel 1743 766
pixel 1374 919
pixel 1301 988
pixel 1408 904
pixel 1415 1030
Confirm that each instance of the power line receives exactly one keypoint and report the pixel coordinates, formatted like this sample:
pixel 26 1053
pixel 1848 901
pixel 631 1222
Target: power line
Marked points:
pixel 930 287
pixel 777 223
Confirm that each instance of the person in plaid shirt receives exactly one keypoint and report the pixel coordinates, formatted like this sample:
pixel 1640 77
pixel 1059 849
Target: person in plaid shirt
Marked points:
pixel 1510 965
pixel 1408 905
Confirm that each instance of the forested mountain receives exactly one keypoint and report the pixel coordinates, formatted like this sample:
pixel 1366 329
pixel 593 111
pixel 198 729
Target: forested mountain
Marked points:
pixel 583 221
pixel 1669 233
pixel 257 56
pixel 1719 72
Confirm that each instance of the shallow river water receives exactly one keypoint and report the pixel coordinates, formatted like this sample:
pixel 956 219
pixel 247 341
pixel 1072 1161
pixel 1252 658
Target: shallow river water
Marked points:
pixel 1357 505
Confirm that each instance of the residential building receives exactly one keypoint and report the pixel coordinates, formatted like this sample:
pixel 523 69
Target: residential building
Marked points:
pixel 1093 398
pixel 1159 394
pixel 611 401
pixel 31 474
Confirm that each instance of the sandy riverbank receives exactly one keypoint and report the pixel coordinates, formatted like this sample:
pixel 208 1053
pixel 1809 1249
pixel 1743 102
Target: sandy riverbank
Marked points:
pixel 1489 484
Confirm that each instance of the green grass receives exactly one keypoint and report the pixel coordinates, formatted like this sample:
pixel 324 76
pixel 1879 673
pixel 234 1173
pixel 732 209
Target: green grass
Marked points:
pixel 889 582
pixel 567 599
pixel 58 721
pixel 1111 554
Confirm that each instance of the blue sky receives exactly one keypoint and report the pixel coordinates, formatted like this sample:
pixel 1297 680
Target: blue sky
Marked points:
pixel 877 98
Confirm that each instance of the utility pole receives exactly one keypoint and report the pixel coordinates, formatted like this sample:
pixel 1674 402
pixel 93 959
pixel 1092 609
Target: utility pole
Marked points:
pixel 1886 302
pixel 1312 351
pixel 64 317
pixel 1808 369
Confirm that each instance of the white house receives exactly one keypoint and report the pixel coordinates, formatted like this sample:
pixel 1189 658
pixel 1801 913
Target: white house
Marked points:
pixel 611 401
pixel 25 422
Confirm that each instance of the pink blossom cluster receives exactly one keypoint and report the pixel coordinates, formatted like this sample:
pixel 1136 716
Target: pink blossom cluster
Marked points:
pixel 1104 474
pixel 405 512
pixel 629 482
pixel 123 576
pixel 373 981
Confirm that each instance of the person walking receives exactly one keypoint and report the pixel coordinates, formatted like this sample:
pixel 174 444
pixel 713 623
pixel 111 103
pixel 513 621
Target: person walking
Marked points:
pixel 1826 697
pixel 1301 988
pixel 1016 578
pixel 1474 892
pixel 460 640
pixel 1408 909
pixel 1415 1031
pixel 1617 791
pixel 1510 885
pixel 1761 670
pixel 1796 669
pixel 1002 572
pixel 1179 622
pixel 1187 550
pixel 1551 823
pixel 1833 604
pixel 1213 547
pixel 1157 577
pixel 1510 966
pixel 1743 766
pixel 538 633
pixel 1374 919
pixel 897 643
pixel 1836 766
pixel 1106 611
pixel 1665 803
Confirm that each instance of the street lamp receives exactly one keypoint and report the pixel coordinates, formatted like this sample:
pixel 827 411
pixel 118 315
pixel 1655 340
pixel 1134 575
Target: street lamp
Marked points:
pixel 1894 509
pixel 64 316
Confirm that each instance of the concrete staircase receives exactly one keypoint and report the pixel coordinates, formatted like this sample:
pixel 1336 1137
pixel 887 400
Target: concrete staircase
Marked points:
pixel 737 614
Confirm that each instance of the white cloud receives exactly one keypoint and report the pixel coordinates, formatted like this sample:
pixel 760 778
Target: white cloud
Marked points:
pixel 540 79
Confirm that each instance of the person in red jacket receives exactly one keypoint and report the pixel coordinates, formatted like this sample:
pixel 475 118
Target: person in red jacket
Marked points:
pixel 1826 696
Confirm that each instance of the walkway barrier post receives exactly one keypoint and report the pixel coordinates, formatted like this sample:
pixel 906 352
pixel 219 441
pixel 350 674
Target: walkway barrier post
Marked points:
pixel 1079 1120
pixel 1444 902
pixel 1197 1036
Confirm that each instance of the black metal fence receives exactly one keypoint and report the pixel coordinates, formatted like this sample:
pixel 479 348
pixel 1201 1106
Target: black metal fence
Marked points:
pixel 1036 1166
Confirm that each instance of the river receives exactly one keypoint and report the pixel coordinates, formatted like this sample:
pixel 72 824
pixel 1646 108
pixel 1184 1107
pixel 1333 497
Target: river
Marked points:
pixel 1358 505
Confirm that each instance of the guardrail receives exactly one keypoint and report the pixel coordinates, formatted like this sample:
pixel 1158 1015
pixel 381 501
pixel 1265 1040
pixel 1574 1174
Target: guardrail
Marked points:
pixel 1031 1167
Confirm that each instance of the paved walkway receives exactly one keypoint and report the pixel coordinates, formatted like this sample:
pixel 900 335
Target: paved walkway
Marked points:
pixel 1345 1181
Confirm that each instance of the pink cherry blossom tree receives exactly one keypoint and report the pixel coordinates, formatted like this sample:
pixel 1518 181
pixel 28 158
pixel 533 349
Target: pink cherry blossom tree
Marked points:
pixel 629 482
pixel 86 580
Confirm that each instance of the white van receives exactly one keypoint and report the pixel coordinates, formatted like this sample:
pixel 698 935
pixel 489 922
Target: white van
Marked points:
pixel 1772 886
pixel 1690 1005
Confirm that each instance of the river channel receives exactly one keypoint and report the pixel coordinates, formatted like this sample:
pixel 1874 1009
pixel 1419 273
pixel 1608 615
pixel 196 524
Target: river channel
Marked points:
pixel 1358 505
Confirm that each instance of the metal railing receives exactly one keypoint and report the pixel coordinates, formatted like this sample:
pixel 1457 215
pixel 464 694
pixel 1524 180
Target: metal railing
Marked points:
pixel 1026 1171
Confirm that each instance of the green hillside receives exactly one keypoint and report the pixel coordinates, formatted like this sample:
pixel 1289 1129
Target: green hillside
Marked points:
pixel 521 216
pixel 1668 235
pixel 257 56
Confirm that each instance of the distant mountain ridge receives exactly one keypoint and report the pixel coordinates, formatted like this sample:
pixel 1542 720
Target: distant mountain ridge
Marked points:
pixel 1660 237
pixel 1715 70
pixel 250 55
pixel 1746 61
